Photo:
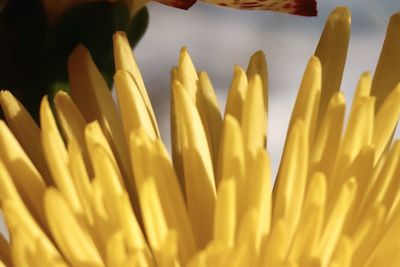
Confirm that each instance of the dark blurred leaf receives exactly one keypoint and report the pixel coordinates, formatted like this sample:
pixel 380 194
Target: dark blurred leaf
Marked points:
pixel 33 54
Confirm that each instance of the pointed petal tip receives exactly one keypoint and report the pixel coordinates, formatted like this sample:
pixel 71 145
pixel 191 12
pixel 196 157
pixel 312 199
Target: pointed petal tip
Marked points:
pixel 338 98
pixel 184 50
pixel 396 17
pixel 238 70
pixel 119 34
pixel 315 62
pixel 259 53
pixel 120 39
pixel 341 13
pixel 60 94
pixel 44 102
pixel 6 97
pixel 366 75
pixel 77 54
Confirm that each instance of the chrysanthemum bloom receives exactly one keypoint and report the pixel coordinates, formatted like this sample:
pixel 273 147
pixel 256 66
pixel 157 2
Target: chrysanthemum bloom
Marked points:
pixel 101 190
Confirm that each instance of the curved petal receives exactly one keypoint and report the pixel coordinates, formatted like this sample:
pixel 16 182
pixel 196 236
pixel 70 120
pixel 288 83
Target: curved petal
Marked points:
pixel 182 4
pixel 296 7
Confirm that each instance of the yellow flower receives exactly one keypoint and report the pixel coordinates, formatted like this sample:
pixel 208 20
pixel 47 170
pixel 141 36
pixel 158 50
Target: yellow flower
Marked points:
pixel 103 191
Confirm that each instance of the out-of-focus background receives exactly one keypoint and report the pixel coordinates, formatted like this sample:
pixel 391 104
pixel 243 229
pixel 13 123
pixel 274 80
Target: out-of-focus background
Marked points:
pixel 219 38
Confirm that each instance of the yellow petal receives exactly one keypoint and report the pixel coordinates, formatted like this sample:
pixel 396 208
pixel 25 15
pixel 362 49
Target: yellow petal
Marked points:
pixel 231 162
pixel 343 253
pixel 93 98
pixel 335 221
pixel 109 178
pixel 72 239
pixel 328 137
pixel 199 175
pixel 210 115
pixel 237 94
pixel 70 117
pixel 247 243
pixel 95 137
pixel 125 60
pixel 386 75
pixel 57 157
pixel 7 187
pixel 25 130
pixel 253 118
pixel 176 135
pixel 332 51
pixel 167 255
pixel 274 251
pixel 225 213
pixel 387 247
pixel 366 234
pixel 81 178
pixel 357 135
pixel 132 106
pixel 361 168
pixel 359 127
pixel 385 180
pixel 386 121
pixel 103 227
pixel 116 253
pixel 159 167
pixel 26 178
pixel 259 191
pixel 153 215
pixel 173 203
pixel 363 86
pixel 307 102
pixel 20 247
pixel 19 219
pixel 258 66
pixel 310 225
pixel 292 178
pixel 132 232
pixel 187 75
pixel 72 123
pixel 231 155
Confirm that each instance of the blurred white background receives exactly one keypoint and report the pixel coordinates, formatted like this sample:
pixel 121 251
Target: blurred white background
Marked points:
pixel 218 38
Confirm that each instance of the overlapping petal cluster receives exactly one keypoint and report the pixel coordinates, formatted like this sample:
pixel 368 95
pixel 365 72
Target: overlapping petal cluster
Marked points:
pixel 95 186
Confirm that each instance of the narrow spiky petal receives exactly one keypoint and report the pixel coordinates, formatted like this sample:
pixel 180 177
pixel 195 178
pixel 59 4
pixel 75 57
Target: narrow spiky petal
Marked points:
pixel 21 123
pixel 237 94
pixel 93 98
pixel 387 71
pixel 115 198
pixel 199 174
pixel 125 60
pixel 332 52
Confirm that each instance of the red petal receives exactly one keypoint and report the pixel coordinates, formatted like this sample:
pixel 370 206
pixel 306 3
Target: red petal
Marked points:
pixel 296 7
pixel 182 4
